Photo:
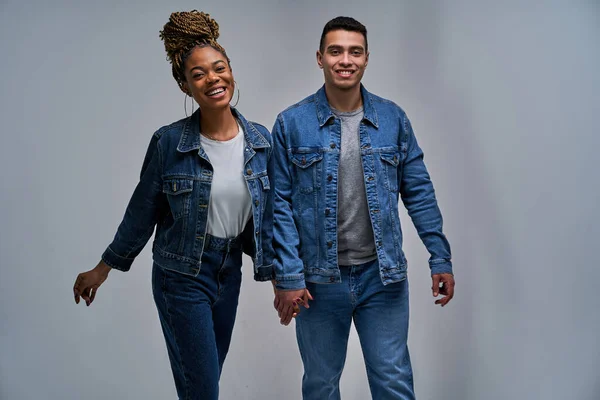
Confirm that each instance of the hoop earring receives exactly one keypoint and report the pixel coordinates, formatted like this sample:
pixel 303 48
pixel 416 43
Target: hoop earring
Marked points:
pixel 185 104
pixel 238 95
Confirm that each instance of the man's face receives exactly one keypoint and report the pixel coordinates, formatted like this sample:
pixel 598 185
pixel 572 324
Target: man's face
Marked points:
pixel 344 59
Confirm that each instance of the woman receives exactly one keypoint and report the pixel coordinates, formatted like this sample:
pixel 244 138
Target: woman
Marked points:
pixel 205 186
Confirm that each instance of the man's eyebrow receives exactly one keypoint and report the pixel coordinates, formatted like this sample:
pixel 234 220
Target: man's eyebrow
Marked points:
pixel 340 47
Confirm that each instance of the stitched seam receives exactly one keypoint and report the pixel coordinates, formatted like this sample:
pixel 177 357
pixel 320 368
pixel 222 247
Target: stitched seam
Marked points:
pixel 175 336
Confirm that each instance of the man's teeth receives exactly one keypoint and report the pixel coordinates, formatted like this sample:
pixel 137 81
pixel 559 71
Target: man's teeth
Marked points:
pixel 346 72
pixel 216 91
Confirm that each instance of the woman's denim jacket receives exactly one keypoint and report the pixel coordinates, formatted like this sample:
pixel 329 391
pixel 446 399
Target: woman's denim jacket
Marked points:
pixel 173 195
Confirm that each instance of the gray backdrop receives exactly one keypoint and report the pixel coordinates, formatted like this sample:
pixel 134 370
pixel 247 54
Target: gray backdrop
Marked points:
pixel 504 101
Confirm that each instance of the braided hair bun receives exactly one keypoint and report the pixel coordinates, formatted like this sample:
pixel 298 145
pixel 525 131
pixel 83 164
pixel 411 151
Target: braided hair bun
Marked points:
pixel 184 31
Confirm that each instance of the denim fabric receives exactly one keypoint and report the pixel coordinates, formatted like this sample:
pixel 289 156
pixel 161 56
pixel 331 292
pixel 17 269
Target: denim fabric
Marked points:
pixel 173 195
pixel 197 314
pixel 306 149
pixel 380 315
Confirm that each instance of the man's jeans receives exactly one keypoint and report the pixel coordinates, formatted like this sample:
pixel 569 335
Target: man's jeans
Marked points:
pixel 197 315
pixel 380 315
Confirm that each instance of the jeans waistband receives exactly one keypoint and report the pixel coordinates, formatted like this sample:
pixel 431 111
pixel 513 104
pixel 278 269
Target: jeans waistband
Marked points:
pixel 222 244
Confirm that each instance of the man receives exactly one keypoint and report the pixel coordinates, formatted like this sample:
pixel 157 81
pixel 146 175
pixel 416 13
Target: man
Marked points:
pixel 343 156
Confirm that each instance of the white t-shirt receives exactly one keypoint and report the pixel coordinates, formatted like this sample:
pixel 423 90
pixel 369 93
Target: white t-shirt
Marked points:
pixel 230 204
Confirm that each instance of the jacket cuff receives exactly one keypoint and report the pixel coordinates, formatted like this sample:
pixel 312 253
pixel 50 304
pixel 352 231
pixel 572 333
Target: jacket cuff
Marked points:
pixel 290 282
pixel 440 266
pixel 264 273
pixel 115 261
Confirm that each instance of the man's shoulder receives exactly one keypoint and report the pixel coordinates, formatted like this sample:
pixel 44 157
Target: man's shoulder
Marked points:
pixel 386 105
pixel 305 104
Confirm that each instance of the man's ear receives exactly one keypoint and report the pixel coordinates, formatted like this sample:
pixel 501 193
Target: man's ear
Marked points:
pixel 320 59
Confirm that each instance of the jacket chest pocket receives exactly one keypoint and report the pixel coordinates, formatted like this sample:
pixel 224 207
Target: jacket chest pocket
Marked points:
pixel 308 166
pixel 179 195
pixel 391 164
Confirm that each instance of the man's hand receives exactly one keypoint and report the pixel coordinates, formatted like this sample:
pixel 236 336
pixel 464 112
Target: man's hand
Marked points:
pixel 288 302
pixel 446 288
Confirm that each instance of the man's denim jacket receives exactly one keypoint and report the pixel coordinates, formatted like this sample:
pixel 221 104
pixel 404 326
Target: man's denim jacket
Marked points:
pixel 173 195
pixel 307 140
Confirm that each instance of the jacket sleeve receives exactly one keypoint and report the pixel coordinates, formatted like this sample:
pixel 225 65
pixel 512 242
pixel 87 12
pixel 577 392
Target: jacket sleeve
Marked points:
pixel 141 214
pixel 418 196
pixel 289 268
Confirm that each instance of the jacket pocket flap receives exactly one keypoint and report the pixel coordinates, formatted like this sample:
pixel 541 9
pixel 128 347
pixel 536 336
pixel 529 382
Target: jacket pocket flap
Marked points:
pixel 305 160
pixel 391 158
pixel 176 186
pixel 264 180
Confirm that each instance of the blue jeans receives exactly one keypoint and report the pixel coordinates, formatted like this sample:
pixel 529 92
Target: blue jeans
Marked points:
pixel 197 315
pixel 380 315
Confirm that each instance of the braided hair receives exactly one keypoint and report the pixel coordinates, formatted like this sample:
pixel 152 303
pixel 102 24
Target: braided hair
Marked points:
pixel 185 31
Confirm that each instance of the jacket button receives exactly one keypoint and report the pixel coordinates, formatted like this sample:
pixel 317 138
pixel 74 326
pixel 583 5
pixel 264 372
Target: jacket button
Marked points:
pixel 395 159
pixel 249 171
pixel 332 145
pixel 327 211
pixel 256 202
pixel 303 162
pixel 370 178
pixel 257 233
pixel 331 279
pixel 330 178
pixel 330 244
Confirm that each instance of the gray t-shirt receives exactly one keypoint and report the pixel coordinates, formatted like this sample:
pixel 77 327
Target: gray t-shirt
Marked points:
pixel 230 205
pixel 356 244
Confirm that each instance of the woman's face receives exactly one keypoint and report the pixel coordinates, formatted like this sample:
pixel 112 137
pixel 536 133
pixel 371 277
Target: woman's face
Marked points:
pixel 209 79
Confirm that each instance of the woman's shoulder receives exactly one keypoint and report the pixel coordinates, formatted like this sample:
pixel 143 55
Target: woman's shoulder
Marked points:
pixel 174 129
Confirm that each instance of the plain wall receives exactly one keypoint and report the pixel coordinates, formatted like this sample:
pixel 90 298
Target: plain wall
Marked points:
pixel 504 100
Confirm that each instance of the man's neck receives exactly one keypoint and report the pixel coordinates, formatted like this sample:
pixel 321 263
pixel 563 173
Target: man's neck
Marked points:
pixel 344 100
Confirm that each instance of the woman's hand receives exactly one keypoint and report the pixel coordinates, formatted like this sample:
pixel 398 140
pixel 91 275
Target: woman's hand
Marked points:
pixel 87 283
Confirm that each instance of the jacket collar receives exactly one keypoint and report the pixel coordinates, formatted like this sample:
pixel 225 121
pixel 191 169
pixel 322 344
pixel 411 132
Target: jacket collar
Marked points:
pixel 190 137
pixel 324 109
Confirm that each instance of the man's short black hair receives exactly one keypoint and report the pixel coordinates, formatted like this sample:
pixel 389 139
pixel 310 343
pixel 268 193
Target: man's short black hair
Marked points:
pixel 346 24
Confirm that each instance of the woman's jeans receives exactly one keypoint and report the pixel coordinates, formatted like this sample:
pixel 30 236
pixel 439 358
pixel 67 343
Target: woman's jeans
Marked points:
pixel 197 315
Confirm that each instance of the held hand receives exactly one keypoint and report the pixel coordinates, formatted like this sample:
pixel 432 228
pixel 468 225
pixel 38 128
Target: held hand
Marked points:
pixel 87 283
pixel 446 288
pixel 288 302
